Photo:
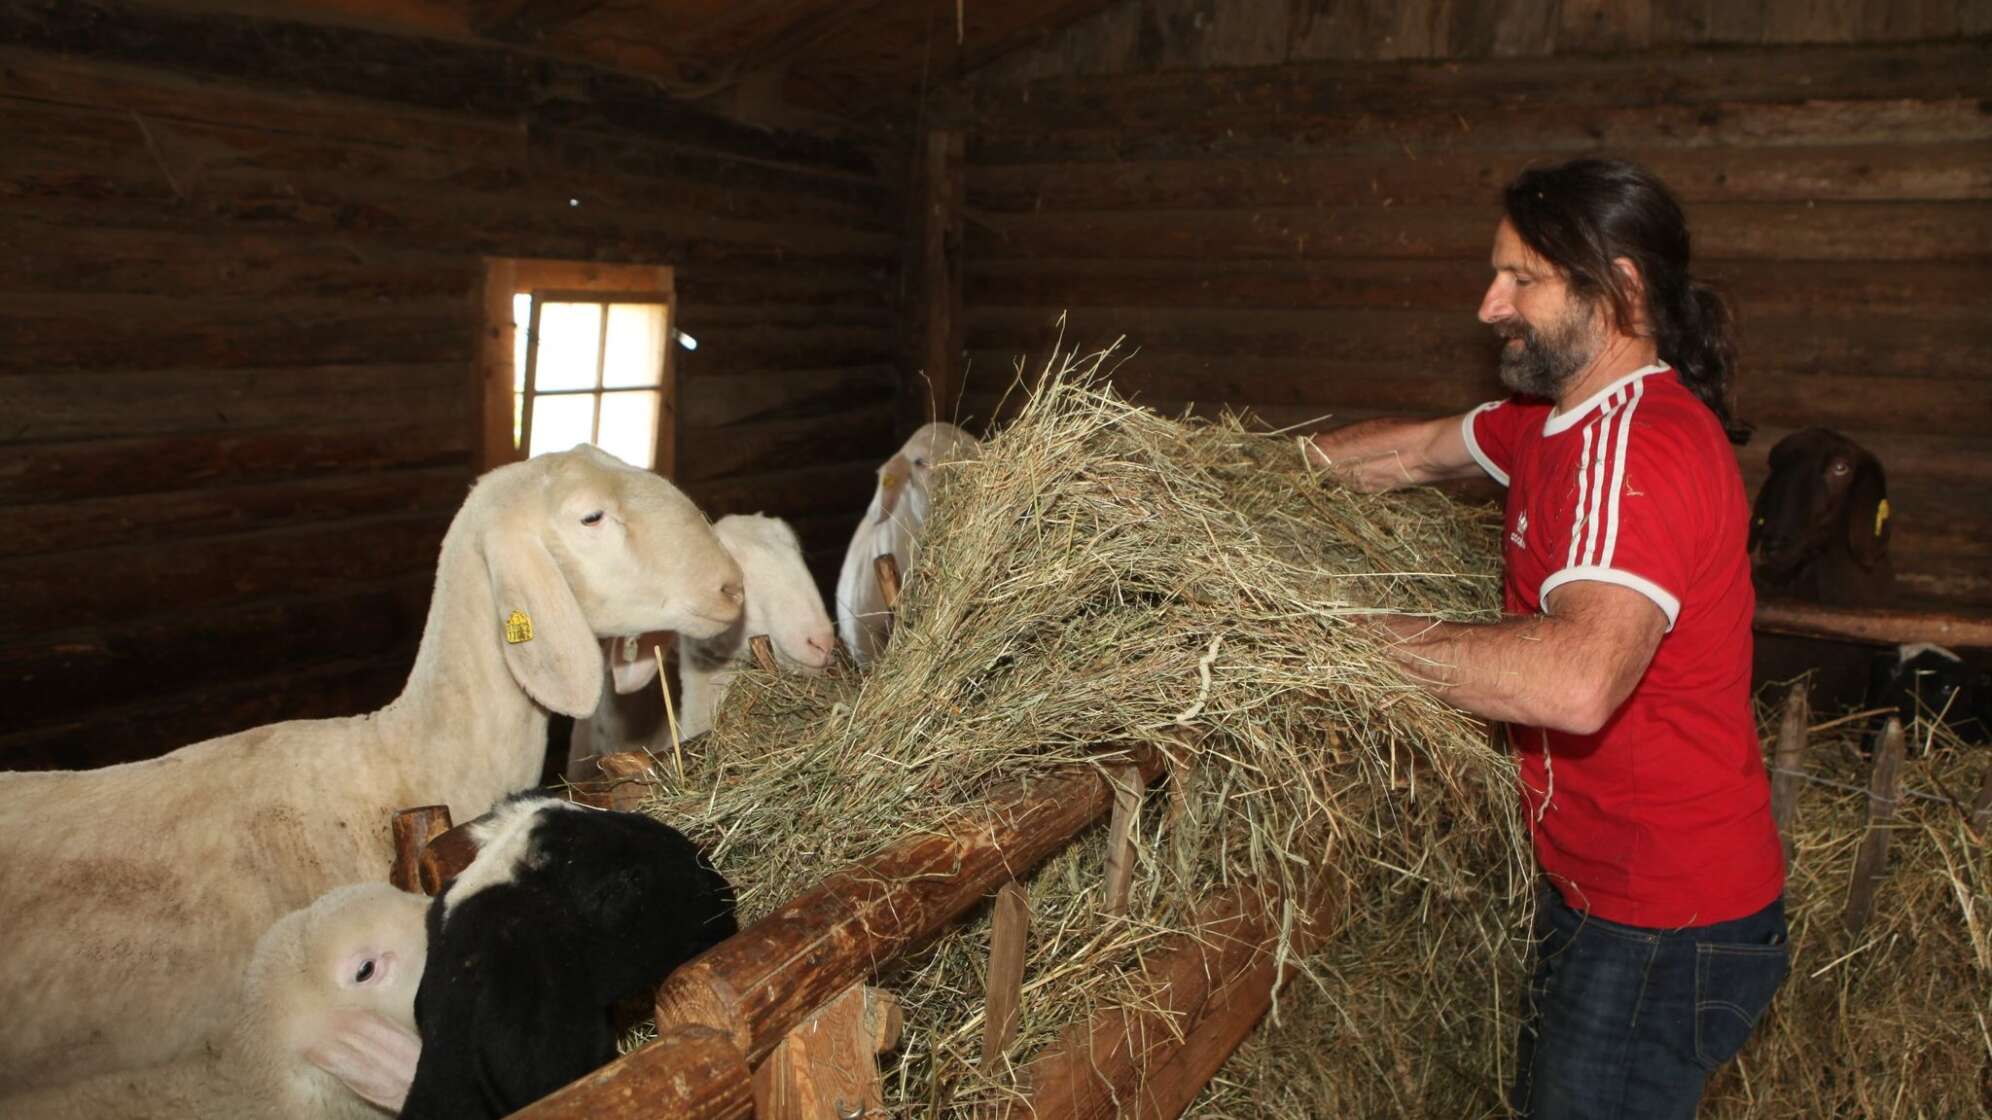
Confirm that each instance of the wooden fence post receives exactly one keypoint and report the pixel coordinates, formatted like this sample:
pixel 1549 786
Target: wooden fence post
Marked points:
pixel 1787 760
pixel 1872 860
pixel 827 1067
pixel 1004 987
pixel 413 829
pixel 1128 788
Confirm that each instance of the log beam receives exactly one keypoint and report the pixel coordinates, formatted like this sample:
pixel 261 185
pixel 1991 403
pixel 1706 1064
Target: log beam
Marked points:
pixel 1874 626
pixel 760 984
pixel 413 830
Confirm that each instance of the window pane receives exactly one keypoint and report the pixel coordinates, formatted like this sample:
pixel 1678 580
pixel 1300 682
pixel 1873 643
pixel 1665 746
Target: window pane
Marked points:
pixel 522 319
pixel 518 416
pixel 569 333
pixel 629 427
pixel 636 345
pixel 561 422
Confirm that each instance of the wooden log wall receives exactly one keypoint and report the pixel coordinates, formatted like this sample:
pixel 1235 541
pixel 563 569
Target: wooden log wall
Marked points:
pixel 1310 239
pixel 238 314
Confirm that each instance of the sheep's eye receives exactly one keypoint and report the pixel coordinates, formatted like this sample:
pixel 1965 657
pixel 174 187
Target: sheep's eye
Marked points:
pixel 594 518
pixel 919 462
pixel 365 974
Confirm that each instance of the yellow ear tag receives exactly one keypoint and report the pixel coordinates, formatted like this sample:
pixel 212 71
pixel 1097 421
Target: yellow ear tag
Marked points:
pixel 518 628
pixel 1880 516
pixel 888 481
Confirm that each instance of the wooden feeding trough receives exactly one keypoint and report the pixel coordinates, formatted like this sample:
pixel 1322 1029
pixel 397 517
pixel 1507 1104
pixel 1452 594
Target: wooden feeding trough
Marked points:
pixel 779 1022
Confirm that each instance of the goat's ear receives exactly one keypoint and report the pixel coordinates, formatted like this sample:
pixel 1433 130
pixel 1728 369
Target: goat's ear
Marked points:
pixel 1868 526
pixel 549 646
pixel 371 1056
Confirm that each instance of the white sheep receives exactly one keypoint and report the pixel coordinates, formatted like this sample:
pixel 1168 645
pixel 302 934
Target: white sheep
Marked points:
pixel 783 603
pixel 325 1027
pixel 132 894
pixel 892 526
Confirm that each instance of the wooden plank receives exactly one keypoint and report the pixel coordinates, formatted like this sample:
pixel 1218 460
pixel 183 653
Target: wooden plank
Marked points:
pixel 827 1067
pixel 1754 287
pixel 156 464
pixel 863 917
pixel 224 266
pixel 840 485
pixel 1129 785
pixel 113 733
pixel 50 332
pixel 1416 132
pixel 82 525
pixel 1826 231
pixel 744 397
pixel 1003 986
pixel 182 575
pixel 1159 99
pixel 1886 347
pixel 1869 172
pixel 1787 761
pixel 860 433
pixel 1871 861
pixel 694 1073
pixel 367 65
pixel 1875 626
pixel 96 404
pixel 781 347
pixel 59 676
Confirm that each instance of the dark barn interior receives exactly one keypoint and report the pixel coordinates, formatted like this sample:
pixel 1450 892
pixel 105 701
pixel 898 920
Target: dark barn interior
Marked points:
pixel 279 281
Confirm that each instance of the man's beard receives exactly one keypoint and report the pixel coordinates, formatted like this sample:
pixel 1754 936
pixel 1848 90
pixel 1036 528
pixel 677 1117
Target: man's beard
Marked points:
pixel 1546 361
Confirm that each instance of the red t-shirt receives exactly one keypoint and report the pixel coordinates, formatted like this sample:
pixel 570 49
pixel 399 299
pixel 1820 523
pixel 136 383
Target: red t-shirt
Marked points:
pixel 1662 818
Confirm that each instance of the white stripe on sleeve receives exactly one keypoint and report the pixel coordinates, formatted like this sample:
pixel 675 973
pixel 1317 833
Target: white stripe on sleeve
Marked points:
pixel 1618 475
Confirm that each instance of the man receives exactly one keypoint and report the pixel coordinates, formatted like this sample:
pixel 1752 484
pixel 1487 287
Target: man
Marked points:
pixel 1623 667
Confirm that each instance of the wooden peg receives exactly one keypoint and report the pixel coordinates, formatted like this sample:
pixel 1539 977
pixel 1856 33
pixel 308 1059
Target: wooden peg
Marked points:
pixel 1981 810
pixel 1872 860
pixel 1003 989
pixel 764 652
pixel 630 775
pixel 413 829
pixel 827 1068
pixel 1788 759
pixel 887 570
pixel 444 859
pixel 1128 791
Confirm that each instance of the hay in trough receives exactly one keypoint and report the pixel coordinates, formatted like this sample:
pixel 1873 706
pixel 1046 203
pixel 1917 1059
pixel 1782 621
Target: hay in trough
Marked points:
pixel 1106 576
pixel 1893 1022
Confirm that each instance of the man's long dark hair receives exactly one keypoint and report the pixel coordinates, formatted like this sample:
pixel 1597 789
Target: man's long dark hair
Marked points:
pixel 1582 215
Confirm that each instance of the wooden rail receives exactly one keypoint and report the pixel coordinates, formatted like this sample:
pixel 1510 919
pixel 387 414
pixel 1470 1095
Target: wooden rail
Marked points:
pixel 748 993
pixel 1873 625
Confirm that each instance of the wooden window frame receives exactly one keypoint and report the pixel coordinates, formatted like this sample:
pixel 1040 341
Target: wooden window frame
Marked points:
pixel 505 277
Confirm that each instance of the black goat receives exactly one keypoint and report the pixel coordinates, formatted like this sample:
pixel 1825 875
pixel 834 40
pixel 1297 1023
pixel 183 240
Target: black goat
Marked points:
pixel 1821 524
pixel 1930 683
pixel 565 912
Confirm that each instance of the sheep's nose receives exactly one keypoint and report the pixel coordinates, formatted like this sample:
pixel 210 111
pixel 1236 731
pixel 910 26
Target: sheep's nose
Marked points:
pixel 823 646
pixel 734 592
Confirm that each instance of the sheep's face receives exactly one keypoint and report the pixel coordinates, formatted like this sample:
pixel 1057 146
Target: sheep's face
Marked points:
pixel 637 554
pixel 357 948
pixel 782 599
pixel 911 470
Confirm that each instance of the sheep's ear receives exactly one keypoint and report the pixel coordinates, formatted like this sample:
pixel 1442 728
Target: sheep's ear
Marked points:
pixel 1868 524
pixel 633 674
pixel 371 1056
pixel 548 643
pixel 893 478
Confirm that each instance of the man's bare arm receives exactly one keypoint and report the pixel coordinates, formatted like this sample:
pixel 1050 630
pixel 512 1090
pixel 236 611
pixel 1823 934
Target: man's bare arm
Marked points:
pixel 1568 671
pixel 1392 453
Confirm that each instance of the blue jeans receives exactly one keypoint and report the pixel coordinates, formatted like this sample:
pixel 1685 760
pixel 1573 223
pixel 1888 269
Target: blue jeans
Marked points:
pixel 1621 1022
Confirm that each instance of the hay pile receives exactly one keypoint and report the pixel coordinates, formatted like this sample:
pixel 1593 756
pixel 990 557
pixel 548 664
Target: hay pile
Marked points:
pixel 1105 575
pixel 1896 1022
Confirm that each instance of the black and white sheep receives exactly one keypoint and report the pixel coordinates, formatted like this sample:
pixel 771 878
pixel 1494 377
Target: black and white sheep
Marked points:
pixel 324 1027
pixel 133 894
pixel 565 912
pixel 1926 685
